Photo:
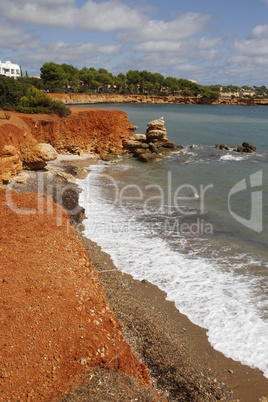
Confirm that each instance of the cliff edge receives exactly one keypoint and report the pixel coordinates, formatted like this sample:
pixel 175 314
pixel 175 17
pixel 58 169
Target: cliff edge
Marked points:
pixel 93 131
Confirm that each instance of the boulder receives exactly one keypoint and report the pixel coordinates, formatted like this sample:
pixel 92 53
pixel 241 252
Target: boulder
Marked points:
pixel 249 146
pixel 156 135
pixel 47 152
pixel 139 137
pixel 138 152
pixel 246 147
pixel 169 145
pixel 132 144
pixel 38 156
pixel 153 148
pixel 222 146
pixel 158 124
pixel 148 157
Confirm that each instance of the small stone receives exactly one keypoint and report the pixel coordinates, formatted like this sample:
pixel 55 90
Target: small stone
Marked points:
pixel 83 361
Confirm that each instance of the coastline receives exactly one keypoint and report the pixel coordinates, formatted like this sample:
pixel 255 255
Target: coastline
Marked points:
pixel 177 353
pixel 180 360
pixel 72 99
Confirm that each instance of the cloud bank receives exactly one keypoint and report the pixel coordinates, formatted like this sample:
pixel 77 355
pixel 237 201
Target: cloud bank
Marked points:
pixel 114 35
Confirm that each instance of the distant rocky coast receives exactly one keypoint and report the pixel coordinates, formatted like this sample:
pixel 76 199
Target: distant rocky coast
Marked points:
pixel 74 99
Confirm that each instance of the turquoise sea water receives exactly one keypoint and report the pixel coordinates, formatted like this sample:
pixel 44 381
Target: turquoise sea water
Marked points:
pixel 196 223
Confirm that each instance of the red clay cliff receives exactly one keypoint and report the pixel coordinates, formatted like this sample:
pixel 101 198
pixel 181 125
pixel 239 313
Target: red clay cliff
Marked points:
pixel 91 130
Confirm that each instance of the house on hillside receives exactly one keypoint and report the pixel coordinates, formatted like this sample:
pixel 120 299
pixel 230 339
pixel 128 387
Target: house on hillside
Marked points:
pixel 9 69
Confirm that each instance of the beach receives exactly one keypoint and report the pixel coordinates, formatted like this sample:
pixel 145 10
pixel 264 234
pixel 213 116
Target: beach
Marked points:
pixel 182 364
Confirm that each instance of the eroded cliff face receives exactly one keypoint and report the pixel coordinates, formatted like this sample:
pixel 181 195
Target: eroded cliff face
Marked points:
pixel 55 322
pixel 73 99
pixel 91 130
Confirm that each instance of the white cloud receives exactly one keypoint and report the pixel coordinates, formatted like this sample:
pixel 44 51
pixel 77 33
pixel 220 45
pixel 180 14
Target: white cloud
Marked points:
pixel 40 13
pixel 183 27
pixel 260 31
pixel 88 54
pixel 254 46
pixel 13 38
pixel 110 15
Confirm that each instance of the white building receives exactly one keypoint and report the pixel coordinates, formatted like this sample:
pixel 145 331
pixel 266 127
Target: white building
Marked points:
pixel 9 69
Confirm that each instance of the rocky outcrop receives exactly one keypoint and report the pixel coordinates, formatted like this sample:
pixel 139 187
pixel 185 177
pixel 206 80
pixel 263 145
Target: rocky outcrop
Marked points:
pixel 245 147
pixel 30 141
pixel 38 156
pixel 10 163
pixel 72 99
pixel 153 145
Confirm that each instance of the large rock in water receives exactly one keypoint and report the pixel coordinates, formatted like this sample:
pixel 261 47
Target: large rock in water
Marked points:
pixel 246 147
pixel 150 157
pixel 152 146
pixel 156 131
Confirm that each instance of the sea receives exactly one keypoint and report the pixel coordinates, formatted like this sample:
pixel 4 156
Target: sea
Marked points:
pixel 196 223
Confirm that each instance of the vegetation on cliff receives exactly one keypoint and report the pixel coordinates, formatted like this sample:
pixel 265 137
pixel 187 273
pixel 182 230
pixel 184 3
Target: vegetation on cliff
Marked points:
pixel 62 78
pixel 23 96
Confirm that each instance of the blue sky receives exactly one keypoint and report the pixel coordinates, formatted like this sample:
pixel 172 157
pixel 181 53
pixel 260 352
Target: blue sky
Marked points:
pixel 210 41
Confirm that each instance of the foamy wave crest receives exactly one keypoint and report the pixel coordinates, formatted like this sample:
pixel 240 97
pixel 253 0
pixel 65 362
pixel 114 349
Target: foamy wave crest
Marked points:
pixel 211 297
pixel 229 157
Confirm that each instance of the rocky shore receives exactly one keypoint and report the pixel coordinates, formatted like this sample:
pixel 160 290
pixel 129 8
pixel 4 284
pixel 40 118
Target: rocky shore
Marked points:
pixel 73 327
pixel 181 363
pixel 73 99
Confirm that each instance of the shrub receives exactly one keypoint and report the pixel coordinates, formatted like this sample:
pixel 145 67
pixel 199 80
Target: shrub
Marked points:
pixel 36 101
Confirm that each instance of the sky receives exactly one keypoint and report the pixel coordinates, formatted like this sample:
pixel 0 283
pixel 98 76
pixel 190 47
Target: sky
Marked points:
pixel 209 41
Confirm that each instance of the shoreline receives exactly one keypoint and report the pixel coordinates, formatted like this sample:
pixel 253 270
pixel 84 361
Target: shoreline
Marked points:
pixel 72 99
pixel 181 362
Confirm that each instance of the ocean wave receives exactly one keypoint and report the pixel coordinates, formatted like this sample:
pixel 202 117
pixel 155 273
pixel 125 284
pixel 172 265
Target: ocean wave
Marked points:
pixel 229 157
pixel 218 299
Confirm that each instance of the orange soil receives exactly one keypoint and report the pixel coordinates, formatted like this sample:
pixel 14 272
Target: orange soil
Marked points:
pixel 54 320
pixel 85 130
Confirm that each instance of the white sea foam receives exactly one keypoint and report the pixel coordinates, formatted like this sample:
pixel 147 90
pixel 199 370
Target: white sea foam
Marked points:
pixel 216 299
pixel 229 157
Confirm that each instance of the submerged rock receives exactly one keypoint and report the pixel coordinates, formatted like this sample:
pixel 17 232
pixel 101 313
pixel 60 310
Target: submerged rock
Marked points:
pixel 149 157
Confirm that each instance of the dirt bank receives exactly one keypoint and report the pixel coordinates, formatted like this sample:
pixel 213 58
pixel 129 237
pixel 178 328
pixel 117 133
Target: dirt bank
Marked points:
pixel 72 99
pixel 94 131
pixel 55 322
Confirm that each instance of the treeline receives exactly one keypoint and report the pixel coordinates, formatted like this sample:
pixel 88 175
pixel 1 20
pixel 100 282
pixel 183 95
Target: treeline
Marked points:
pixel 26 95
pixel 67 78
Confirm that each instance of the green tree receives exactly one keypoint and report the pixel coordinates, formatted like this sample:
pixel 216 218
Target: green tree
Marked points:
pixel 11 91
pixel 72 76
pixel 172 84
pixel 54 77
pixel 134 80
pixel 120 82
